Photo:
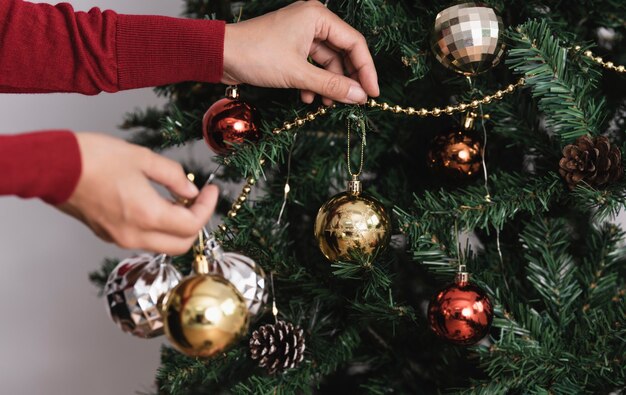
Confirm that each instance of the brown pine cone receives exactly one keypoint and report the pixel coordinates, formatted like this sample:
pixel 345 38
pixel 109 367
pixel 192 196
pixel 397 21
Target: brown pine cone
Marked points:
pixel 278 346
pixel 595 161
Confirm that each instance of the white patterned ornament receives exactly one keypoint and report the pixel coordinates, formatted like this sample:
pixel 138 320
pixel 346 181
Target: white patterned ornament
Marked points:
pixel 134 292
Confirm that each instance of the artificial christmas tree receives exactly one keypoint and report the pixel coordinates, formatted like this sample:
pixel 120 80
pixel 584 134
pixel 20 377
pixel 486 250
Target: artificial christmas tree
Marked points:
pixel 549 258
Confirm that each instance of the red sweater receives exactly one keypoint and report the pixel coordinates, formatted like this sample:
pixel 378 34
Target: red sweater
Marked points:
pixel 45 48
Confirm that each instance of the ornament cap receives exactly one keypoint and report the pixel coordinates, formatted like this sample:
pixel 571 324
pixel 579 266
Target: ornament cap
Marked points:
pixel 201 264
pixel 462 276
pixel 468 120
pixel 232 92
pixel 354 186
pixel 214 249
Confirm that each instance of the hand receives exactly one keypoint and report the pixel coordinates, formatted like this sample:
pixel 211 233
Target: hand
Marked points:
pixel 115 199
pixel 272 51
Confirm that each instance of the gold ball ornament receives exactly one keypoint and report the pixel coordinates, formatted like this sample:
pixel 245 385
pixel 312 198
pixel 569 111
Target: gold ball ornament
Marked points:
pixel 467 38
pixel 204 315
pixel 352 226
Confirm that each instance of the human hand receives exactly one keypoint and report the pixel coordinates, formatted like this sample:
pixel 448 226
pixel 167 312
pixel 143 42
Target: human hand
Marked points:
pixel 272 51
pixel 115 199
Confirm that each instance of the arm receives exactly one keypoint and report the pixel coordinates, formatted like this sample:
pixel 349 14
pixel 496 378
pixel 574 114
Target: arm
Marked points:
pixel 98 51
pixel 45 48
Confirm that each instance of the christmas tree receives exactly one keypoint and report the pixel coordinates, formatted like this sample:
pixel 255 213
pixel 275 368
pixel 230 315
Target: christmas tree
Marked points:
pixel 524 158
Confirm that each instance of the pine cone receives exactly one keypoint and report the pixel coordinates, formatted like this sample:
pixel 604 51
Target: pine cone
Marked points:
pixel 278 346
pixel 595 161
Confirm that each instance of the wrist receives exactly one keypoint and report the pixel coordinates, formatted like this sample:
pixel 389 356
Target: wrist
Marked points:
pixel 231 53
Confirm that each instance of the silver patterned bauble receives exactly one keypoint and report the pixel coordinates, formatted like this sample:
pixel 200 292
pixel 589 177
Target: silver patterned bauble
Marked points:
pixel 134 292
pixel 468 38
pixel 241 271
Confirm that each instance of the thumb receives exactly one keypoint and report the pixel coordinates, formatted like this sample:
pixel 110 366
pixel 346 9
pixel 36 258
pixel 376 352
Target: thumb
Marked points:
pixel 333 86
pixel 204 205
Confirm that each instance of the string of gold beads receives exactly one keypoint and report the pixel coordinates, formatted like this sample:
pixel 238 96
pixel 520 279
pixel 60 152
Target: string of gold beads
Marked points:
pixel 300 121
pixel 241 199
pixel 449 110
pixel 601 62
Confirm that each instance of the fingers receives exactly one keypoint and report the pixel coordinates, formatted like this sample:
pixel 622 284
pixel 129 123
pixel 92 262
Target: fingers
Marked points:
pixel 205 203
pixel 307 96
pixel 328 59
pixel 182 221
pixel 331 85
pixel 170 174
pixel 166 227
pixel 347 39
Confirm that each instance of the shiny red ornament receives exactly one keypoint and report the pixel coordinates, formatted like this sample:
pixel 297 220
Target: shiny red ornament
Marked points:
pixel 461 313
pixel 230 121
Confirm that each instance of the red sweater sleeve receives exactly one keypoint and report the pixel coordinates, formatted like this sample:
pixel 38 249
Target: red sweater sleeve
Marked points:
pixel 42 164
pixel 45 48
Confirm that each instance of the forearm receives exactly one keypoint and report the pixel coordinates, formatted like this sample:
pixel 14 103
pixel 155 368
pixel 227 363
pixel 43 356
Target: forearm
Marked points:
pixel 46 165
pixel 45 48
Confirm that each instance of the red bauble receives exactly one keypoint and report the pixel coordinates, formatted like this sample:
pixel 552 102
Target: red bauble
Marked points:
pixel 230 121
pixel 461 313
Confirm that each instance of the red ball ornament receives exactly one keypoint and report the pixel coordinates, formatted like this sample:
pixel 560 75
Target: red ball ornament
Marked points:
pixel 461 313
pixel 230 121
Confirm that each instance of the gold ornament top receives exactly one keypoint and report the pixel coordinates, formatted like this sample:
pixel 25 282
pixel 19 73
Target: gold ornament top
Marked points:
pixel 354 186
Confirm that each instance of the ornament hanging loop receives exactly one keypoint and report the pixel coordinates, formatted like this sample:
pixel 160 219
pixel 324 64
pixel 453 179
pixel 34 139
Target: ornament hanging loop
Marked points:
pixel 361 126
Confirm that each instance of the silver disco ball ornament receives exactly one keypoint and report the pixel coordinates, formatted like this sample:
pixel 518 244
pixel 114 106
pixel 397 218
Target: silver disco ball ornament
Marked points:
pixel 468 38
pixel 134 291
pixel 241 271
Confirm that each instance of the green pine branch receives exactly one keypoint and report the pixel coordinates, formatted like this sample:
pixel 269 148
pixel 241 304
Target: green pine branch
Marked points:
pixel 551 269
pixel 566 93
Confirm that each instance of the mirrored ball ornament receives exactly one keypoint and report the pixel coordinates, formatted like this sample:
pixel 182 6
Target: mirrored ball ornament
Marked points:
pixel 230 121
pixel 134 292
pixel 461 313
pixel 467 38
pixel 351 227
pixel 204 315
pixel 243 272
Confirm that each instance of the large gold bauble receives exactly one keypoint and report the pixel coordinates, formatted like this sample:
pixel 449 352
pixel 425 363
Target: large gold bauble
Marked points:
pixel 204 315
pixel 467 38
pixel 351 227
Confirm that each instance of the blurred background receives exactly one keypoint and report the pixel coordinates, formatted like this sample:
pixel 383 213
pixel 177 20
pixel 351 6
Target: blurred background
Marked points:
pixel 56 337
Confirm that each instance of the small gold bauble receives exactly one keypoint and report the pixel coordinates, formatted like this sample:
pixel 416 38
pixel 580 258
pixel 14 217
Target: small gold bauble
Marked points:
pixel 204 315
pixel 467 38
pixel 350 226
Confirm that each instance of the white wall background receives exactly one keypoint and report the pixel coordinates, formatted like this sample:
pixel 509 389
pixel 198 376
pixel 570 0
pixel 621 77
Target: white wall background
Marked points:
pixel 55 335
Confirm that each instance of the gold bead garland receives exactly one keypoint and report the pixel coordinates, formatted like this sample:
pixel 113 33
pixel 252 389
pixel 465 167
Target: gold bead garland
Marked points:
pixel 449 110
pixel 300 121
pixel 601 62
pixel 243 196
